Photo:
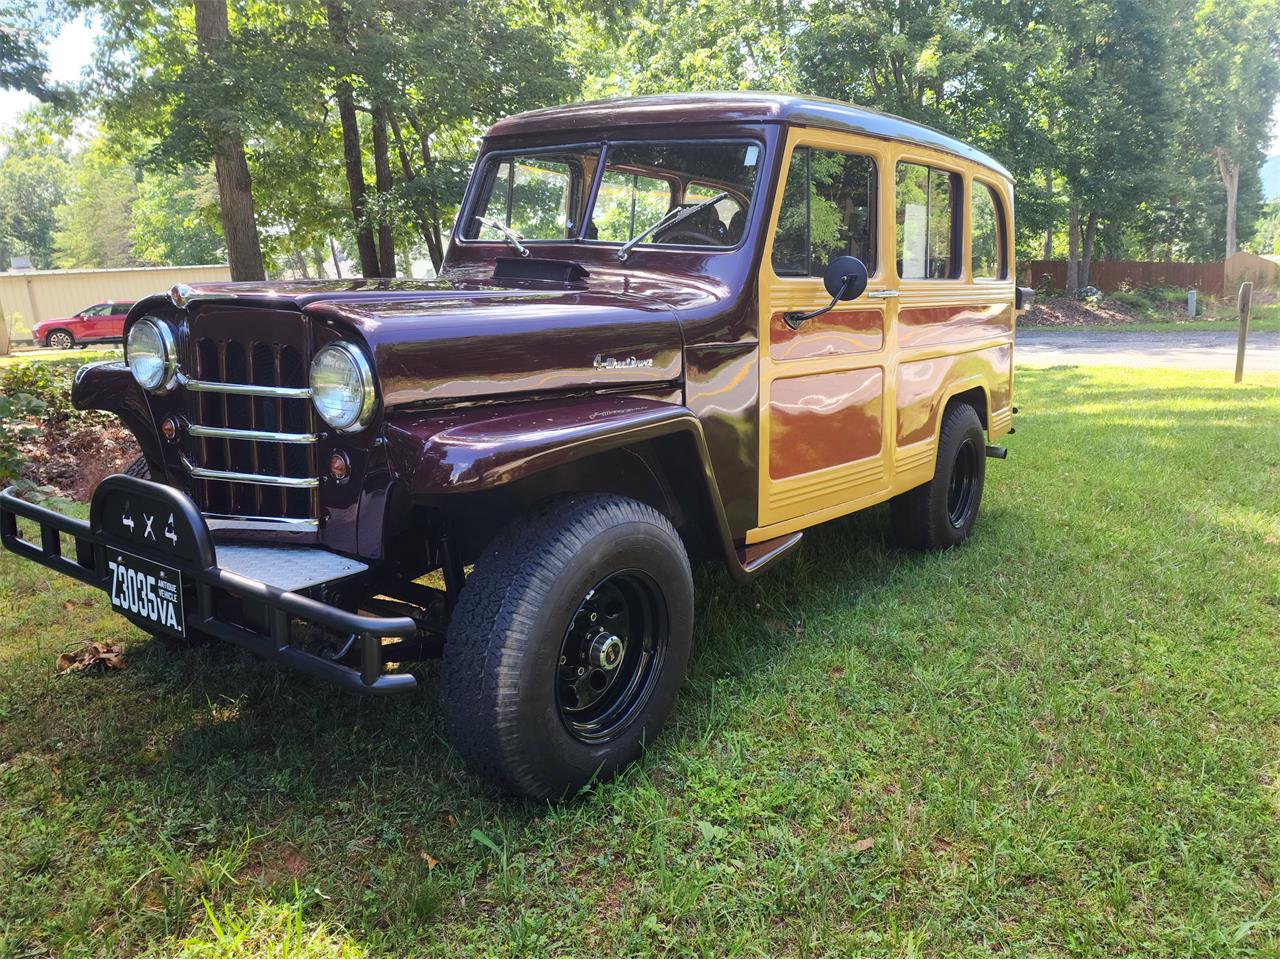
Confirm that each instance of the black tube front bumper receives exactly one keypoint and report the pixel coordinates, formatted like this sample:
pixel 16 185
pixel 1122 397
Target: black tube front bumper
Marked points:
pixel 219 594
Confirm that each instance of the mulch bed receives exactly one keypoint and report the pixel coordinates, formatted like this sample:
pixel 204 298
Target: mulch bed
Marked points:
pixel 72 457
pixel 1065 312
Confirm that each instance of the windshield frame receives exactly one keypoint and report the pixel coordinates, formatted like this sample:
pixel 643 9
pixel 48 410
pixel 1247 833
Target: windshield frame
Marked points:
pixel 489 158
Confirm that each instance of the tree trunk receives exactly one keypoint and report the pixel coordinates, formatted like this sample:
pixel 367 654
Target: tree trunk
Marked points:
pixel 430 230
pixel 1048 231
pixel 1230 173
pixel 352 156
pixel 382 180
pixel 1073 249
pixel 337 267
pixel 1086 248
pixel 235 186
pixel 435 242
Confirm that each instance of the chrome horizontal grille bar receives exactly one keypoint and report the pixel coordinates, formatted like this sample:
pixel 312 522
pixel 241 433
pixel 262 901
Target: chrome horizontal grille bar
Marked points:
pixel 235 476
pixel 223 521
pixel 245 389
pixel 268 436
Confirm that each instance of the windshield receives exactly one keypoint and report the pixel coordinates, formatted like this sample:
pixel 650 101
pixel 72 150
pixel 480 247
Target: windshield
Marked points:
pixel 544 194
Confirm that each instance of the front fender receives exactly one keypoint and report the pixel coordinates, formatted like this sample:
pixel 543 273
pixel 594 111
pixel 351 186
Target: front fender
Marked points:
pixel 109 386
pixel 479 448
pixel 485 448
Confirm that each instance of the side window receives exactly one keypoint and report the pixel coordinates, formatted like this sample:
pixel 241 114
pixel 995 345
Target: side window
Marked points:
pixel 828 210
pixel 626 204
pixel 987 240
pixel 926 217
pixel 96 310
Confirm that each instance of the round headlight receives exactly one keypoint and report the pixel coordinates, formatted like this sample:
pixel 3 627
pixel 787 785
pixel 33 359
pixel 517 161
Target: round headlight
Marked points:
pixel 342 386
pixel 151 354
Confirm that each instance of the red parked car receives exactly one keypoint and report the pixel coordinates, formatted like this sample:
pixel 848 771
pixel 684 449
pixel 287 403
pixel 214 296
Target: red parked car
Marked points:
pixel 97 324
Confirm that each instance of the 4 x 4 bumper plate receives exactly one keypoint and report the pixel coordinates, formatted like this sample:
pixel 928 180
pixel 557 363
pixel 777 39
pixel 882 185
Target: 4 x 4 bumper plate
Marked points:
pixel 164 527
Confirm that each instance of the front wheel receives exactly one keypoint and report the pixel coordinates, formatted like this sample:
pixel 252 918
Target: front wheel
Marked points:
pixel 60 340
pixel 568 645
pixel 941 513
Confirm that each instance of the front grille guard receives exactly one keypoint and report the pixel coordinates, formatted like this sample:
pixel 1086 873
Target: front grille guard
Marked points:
pixel 279 609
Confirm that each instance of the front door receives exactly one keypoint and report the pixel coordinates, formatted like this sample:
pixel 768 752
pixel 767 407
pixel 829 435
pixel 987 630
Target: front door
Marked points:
pixel 823 385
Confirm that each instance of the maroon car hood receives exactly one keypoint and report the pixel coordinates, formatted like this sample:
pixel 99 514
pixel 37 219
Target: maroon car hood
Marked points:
pixel 458 345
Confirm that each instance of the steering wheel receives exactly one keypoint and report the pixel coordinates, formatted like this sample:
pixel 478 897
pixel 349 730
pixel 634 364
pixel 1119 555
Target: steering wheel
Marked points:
pixel 698 237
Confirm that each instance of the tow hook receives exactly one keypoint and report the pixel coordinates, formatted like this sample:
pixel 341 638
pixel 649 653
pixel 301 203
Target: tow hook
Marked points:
pixel 998 452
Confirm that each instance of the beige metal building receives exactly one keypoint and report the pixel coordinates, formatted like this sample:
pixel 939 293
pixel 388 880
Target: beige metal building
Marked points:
pixel 29 297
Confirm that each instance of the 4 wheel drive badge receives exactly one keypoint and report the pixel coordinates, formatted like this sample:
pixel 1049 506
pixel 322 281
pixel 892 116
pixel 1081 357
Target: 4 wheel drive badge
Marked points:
pixel 148 521
pixel 170 533
pixel 626 363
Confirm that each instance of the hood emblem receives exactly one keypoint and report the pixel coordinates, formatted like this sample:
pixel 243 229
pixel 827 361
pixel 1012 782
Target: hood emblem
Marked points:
pixel 613 363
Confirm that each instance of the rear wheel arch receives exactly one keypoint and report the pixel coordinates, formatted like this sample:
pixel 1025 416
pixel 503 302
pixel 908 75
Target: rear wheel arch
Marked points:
pixel 976 396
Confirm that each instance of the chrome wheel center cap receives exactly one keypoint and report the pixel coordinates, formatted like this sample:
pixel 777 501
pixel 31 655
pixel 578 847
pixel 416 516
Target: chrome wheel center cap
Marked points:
pixel 606 651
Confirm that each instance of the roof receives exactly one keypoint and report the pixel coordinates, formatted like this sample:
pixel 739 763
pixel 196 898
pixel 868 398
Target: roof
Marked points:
pixel 666 110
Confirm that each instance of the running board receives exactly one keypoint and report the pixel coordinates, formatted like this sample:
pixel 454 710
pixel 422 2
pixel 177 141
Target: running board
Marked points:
pixel 755 558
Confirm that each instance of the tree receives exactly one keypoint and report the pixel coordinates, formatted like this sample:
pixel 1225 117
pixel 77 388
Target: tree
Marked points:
pixel 95 222
pixel 235 190
pixel 176 219
pixel 34 175
pixel 1232 83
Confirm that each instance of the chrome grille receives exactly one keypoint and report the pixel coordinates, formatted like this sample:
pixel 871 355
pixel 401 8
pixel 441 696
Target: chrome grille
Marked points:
pixel 250 444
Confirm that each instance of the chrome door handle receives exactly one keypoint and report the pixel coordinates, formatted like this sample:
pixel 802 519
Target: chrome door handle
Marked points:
pixel 881 294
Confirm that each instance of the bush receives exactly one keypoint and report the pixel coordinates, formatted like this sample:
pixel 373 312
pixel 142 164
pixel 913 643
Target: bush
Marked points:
pixel 19 421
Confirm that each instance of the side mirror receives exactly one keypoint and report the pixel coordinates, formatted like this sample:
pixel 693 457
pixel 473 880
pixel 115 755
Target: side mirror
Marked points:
pixel 845 279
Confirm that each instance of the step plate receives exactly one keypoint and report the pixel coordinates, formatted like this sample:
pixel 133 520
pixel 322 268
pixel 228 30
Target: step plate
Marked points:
pixel 287 568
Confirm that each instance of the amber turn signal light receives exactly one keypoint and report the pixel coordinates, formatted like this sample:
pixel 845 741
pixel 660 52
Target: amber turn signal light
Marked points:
pixel 169 428
pixel 339 466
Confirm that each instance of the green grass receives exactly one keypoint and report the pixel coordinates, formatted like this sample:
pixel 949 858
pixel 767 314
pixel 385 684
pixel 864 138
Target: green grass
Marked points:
pixel 88 355
pixel 1261 319
pixel 1060 738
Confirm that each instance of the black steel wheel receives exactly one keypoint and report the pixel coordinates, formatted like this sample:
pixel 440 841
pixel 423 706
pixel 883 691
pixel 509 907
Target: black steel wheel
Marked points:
pixel 568 645
pixel 941 513
pixel 611 656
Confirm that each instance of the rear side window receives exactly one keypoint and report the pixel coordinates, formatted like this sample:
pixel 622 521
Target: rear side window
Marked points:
pixel 828 210
pixel 927 216
pixel 987 241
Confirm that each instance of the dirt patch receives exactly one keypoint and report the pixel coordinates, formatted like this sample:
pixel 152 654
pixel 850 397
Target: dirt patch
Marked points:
pixel 73 456
pixel 1065 312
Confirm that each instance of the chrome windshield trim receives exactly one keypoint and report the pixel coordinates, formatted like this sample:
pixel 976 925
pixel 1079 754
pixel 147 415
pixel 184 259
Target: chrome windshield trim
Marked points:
pixel 233 476
pixel 244 389
pixel 269 436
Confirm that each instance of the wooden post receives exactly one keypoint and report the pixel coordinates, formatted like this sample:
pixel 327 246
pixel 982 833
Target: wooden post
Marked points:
pixel 1244 300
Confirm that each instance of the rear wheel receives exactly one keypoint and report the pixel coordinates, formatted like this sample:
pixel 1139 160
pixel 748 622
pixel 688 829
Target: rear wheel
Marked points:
pixel 59 340
pixel 568 645
pixel 941 513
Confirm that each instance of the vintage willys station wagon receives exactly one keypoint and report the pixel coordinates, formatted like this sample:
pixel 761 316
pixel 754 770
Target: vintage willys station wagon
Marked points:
pixel 668 328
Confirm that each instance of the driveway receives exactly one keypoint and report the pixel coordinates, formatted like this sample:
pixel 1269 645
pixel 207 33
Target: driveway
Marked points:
pixel 1193 349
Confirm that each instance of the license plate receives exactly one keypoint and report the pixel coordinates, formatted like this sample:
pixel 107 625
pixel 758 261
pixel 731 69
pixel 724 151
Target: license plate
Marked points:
pixel 146 592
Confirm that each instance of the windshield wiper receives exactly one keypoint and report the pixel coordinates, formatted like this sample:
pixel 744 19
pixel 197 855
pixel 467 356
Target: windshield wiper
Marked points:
pixel 670 219
pixel 513 238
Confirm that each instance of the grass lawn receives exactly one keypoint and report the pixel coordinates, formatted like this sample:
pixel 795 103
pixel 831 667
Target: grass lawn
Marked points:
pixel 1062 738
pixel 1261 319
pixel 41 356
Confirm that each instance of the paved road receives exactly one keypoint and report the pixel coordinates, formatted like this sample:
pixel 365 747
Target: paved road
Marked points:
pixel 1198 350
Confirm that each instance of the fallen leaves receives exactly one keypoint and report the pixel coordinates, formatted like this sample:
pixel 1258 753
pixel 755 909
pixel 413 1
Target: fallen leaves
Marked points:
pixel 94 654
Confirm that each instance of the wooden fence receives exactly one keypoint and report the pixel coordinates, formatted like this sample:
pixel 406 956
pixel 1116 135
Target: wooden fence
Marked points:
pixel 1219 279
pixel 27 298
